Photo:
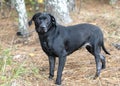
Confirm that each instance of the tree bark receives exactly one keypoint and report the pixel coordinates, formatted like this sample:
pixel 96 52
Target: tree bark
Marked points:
pixel 23 23
pixel 12 4
pixel 60 10
pixel 71 5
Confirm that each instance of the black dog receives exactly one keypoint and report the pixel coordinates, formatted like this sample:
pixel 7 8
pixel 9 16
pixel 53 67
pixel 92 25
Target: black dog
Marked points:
pixel 60 41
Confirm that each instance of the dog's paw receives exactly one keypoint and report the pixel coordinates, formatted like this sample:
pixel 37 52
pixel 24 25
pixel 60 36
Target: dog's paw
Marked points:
pixel 58 82
pixel 50 77
pixel 96 76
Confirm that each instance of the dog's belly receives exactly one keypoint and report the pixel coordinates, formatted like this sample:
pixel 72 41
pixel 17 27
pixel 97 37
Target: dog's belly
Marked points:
pixel 71 48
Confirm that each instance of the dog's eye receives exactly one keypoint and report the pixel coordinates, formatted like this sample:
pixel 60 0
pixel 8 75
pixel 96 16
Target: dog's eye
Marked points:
pixel 44 18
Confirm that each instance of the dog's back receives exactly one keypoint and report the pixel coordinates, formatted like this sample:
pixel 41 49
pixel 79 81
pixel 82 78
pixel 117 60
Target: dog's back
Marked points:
pixel 81 34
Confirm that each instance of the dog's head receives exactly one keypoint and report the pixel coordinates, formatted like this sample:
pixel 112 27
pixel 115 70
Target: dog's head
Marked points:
pixel 43 22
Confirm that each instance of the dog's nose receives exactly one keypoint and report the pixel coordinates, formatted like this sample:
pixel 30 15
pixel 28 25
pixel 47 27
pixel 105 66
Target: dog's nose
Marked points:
pixel 42 25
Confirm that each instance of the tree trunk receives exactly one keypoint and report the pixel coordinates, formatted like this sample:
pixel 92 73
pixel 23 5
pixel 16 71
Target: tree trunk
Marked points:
pixel 60 10
pixel 12 4
pixel 23 23
pixel 71 5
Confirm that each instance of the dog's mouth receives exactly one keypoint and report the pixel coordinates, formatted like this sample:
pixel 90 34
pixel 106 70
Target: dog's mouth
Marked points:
pixel 42 30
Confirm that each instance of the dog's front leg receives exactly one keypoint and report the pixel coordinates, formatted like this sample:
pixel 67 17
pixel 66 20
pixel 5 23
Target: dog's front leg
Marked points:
pixel 51 66
pixel 62 61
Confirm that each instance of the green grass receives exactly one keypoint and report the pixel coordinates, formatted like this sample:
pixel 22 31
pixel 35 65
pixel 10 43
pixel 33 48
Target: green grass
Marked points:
pixel 6 62
pixel 11 70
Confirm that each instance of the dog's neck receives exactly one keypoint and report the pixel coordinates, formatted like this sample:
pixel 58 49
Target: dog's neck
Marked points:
pixel 51 26
pixel 50 34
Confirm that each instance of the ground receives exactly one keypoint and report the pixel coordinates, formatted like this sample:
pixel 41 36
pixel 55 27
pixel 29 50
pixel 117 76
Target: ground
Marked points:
pixel 23 63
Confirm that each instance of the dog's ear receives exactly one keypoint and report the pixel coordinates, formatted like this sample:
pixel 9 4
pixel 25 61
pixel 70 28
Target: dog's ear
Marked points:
pixel 30 22
pixel 53 20
pixel 33 18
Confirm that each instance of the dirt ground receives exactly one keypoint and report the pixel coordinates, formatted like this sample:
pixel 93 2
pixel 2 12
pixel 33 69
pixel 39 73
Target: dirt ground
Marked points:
pixel 80 66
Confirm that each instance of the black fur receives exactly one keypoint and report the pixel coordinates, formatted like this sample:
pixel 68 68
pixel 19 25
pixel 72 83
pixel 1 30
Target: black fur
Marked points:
pixel 60 41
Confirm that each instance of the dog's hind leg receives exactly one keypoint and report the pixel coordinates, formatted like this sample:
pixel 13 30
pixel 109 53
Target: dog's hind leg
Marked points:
pixel 95 50
pixel 97 60
pixel 103 61
pixel 90 49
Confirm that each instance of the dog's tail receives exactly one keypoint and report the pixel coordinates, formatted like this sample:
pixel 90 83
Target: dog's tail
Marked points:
pixel 103 47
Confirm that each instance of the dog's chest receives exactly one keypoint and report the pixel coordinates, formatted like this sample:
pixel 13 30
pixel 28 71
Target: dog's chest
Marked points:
pixel 47 47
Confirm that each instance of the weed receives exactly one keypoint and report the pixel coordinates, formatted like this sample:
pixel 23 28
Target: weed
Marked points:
pixel 8 69
pixel 11 70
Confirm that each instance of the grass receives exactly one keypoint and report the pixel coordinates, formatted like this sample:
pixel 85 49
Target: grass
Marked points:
pixel 11 70
pixel 5 60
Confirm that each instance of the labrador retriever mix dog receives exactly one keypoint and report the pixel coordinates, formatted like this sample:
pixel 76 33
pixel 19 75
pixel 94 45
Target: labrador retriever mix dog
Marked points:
pixel 59 41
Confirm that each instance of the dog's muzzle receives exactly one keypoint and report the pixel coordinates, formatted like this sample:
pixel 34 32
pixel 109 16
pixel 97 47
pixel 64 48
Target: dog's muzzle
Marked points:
pixel 42 30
